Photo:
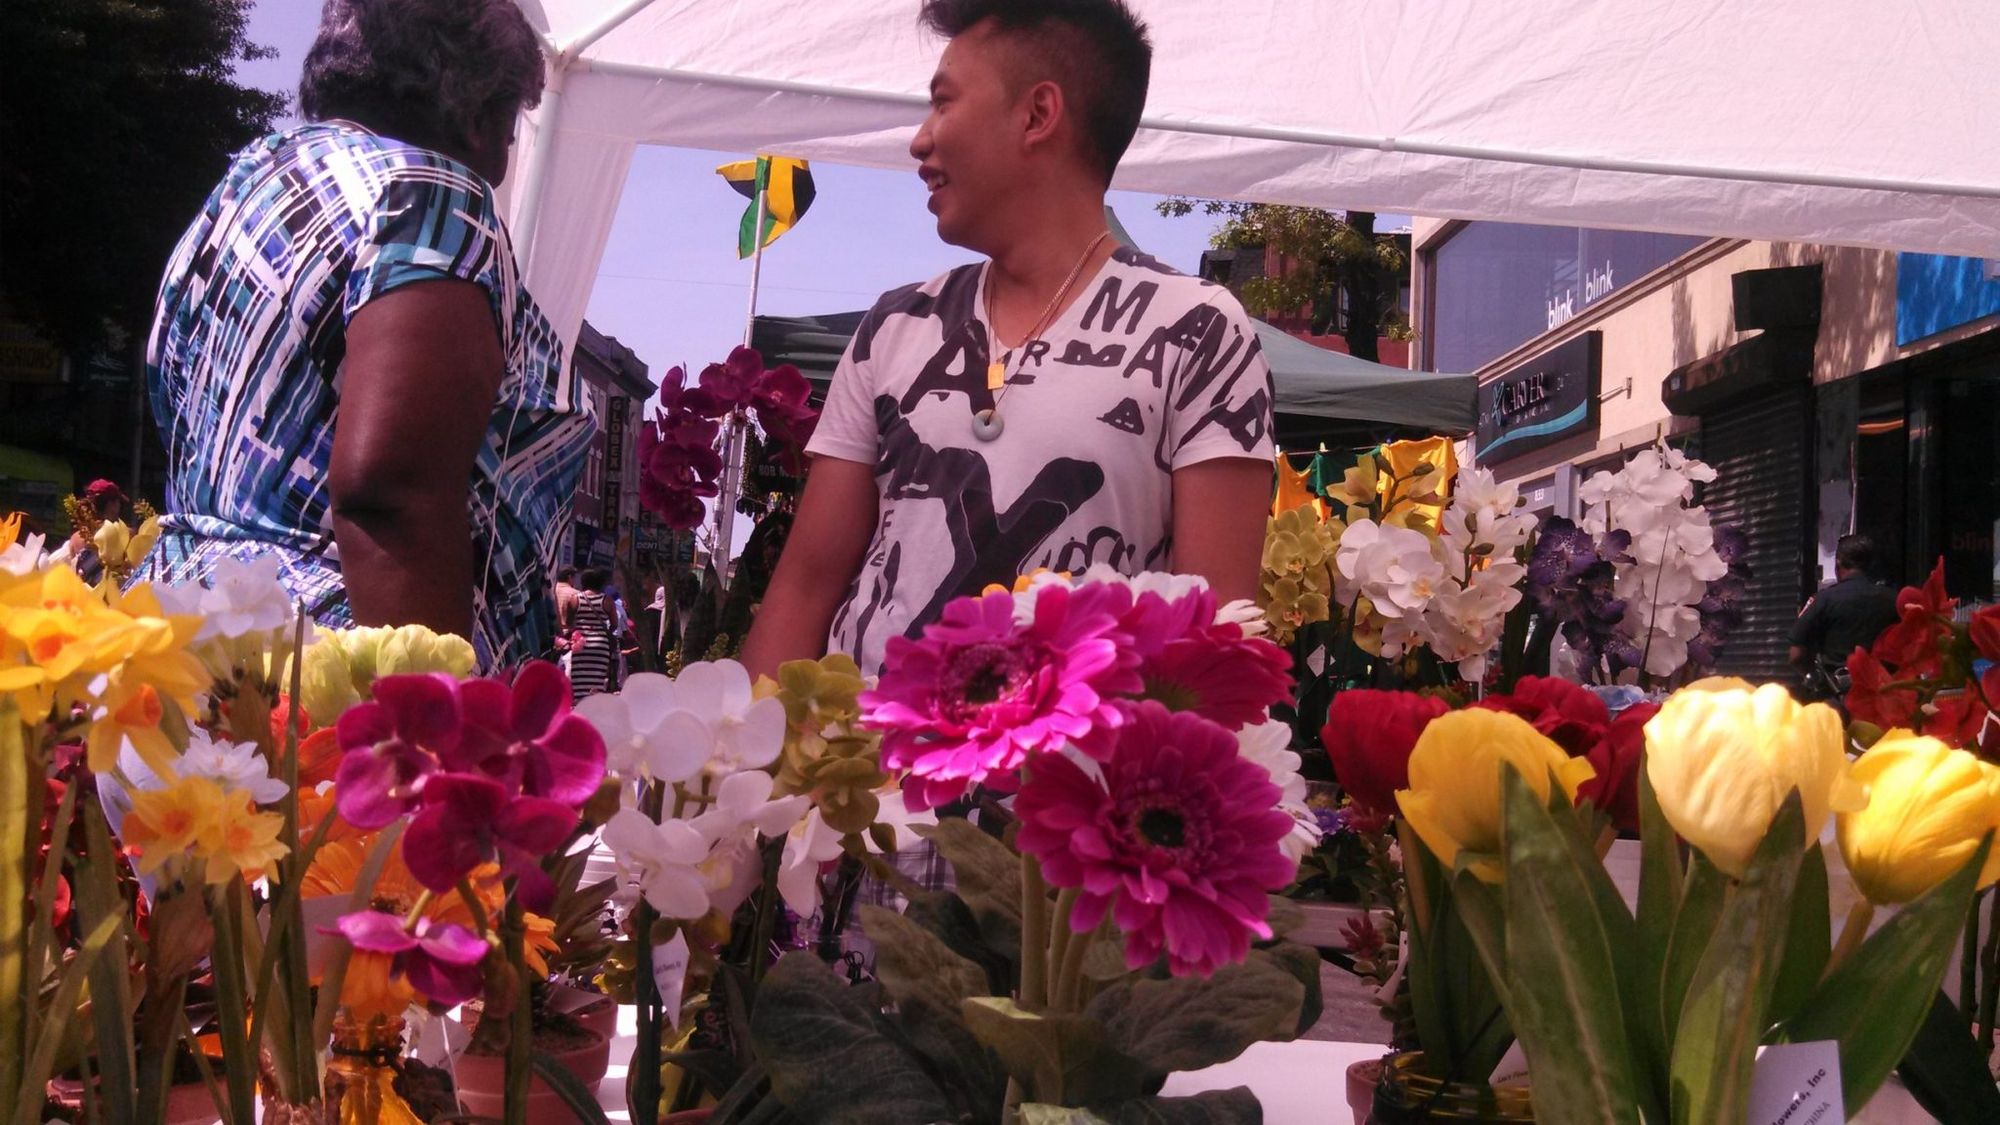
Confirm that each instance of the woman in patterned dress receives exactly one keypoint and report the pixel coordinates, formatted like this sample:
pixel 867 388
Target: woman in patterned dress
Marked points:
pixel 347 372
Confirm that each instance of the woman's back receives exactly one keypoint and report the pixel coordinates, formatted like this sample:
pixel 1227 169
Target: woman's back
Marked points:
pixel 245 365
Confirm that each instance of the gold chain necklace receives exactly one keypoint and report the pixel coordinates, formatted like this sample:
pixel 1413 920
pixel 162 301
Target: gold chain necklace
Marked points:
pixel 987 424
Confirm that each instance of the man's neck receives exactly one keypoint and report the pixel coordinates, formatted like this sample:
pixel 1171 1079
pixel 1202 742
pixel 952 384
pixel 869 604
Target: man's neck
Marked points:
pixel 1029 269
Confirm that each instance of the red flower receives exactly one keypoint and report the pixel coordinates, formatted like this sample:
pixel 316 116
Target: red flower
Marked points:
pixel 1986 632
pixel 1956 719
pixel 1616 758
pixel 1913 646
pixel 1868 697
pixel 1369 735
pixel 1566 714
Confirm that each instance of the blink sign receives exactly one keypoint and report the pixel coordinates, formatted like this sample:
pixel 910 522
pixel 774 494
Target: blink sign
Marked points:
pixel 1541 401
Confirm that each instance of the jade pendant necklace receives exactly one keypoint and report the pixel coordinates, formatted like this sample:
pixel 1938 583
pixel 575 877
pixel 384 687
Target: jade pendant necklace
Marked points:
pixel 987 424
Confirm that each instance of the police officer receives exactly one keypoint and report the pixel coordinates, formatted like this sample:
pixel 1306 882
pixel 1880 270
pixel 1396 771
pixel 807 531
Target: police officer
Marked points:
pixel 1842 617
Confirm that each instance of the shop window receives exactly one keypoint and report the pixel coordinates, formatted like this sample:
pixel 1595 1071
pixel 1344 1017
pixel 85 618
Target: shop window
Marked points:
pixel 1968 483
pixel 1495 286
pixel 1881 477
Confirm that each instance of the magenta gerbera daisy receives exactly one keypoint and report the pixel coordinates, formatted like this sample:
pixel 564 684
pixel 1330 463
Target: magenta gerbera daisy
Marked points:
pixel 1188 662
pixel 1178 839
pixel 967 703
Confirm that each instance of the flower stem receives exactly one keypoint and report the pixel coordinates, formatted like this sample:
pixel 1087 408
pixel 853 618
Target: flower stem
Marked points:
pixel 642 1094
pixel 417 909
pixel 521 1030
pixel 1059 934
pixel 1851 933
pixel 472 904
pixel 1034 935
pixel 1069 973
pixel 1989 970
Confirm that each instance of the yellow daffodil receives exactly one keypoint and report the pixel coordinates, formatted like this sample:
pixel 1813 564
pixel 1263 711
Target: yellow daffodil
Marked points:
pixel 1723 756
pixel 240 840
pixel 10 528
pixel 1454 799
pixel 165 823
pixel 131 711
pixel 112 541
pixel 1928 807
pixel 143 540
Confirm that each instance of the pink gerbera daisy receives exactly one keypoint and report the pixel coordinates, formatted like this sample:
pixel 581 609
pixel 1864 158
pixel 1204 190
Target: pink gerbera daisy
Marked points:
pixel 967 703
pixel 1188 662
pixel 1179 839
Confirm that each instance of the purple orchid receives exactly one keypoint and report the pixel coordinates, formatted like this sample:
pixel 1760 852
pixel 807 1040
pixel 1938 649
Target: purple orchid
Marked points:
pixel 468 818
pixel 438 959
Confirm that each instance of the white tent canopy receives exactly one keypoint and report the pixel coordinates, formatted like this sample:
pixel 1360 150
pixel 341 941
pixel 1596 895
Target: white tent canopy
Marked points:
pixel 1841 121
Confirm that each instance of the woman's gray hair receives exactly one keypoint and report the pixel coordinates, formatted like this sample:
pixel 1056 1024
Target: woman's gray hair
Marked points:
pixel 423 71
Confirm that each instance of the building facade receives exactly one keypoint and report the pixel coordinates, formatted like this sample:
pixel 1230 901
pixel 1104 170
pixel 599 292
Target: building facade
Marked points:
pixel 606 529
pixel 1834 389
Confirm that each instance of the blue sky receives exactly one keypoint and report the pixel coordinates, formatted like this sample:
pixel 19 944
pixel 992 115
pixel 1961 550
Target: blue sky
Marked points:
pixel 670 286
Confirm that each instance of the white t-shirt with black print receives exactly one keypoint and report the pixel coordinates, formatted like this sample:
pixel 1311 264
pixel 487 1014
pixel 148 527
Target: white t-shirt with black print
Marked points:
pixel 1147 371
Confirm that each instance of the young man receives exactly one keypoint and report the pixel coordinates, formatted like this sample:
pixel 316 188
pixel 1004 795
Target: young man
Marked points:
pixel 1066 402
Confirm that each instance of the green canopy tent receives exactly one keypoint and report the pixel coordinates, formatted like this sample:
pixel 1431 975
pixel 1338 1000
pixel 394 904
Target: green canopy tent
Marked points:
pixel 1322 396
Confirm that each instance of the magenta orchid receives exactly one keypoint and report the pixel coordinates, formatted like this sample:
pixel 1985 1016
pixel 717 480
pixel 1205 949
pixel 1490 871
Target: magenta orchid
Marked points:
pixel 491 771
pixel 679 464
pixel 438 959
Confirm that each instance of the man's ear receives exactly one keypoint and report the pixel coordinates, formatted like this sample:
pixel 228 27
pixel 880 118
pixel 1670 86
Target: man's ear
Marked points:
pixel 1046 112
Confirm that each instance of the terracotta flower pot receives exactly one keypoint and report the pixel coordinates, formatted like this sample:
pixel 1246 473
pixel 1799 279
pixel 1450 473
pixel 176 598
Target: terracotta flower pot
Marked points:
pixel 593 1010
pixel 1362 1078
pixel 481 1081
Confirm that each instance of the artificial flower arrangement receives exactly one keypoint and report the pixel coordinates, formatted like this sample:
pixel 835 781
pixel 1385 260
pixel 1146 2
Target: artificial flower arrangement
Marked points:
pixel 1135 810
pixel 1658 1016
pixel 171 841
pixel 678 459
pixel 1644 589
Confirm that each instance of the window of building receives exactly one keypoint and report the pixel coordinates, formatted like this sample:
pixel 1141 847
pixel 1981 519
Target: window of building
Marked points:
pixel 1495 286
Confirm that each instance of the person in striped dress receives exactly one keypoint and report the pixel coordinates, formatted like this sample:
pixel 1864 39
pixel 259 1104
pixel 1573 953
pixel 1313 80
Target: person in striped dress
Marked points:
pixel 347 372
pixel 593 652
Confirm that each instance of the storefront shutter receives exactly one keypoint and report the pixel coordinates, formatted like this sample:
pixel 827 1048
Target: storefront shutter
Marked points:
pixel 1759 448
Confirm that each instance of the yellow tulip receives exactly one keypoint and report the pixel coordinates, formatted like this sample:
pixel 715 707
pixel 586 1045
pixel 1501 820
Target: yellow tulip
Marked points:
pixel 1928 807
pixel 1453 802
pixel 1723 756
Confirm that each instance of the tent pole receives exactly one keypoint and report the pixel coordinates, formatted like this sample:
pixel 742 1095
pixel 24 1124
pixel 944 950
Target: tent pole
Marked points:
pixel 732 444
pixel 603 27
pixel 1574 161
pixel 530 211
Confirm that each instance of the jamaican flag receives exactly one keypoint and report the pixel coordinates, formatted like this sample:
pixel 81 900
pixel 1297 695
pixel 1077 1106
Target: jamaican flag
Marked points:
pixel 788 192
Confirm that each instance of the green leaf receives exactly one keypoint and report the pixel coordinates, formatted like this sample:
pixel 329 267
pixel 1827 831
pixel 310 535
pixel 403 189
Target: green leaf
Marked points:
pixel 1562 978
pixel 1661 879
pixel 989 879
pixel 571 1090
pixel 43 1052
pixel 1461 1025
pixel 1041 1113
pixel 1105 959
pixel 1235 1106
pixel 1285 916
pixel 1058 1057
pixel 825 1046
pixel 1808 939
pixel 1724 1017
pixel 23 793
pixel 1946 1071
pixel 1479 908
pixel 1303 962
pixel 916 966
pixel 1694 923
pixel 945 915
pixel 1875 1001
pixel 930 984
pixel 1187 1023
pixel 112 1006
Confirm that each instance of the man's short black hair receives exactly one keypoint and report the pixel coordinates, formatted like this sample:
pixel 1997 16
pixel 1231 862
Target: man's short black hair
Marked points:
pixel 1854 552
pixel 566 574
pixel 1096 50
pixel 595 579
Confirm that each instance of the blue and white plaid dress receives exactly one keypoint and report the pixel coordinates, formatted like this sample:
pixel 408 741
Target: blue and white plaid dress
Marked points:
pixel 245 366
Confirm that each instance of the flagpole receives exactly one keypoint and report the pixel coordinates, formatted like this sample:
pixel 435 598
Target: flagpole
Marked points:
pixel 732 446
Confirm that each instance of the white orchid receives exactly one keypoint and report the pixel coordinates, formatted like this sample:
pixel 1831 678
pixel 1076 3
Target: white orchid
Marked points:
pixel 811 843
pixel 743 732
pixel 664 861
pixel 1671 558
pixel 645 730
pixel 1393 567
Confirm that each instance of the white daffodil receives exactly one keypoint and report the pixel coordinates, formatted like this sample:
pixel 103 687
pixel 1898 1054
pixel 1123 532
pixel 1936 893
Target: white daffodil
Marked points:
pixel 645 729
pixel 244 598
pixel 25 557
pixel 234 765
pixel 664 860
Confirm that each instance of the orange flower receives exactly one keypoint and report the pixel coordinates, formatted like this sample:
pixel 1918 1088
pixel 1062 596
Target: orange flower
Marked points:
pixel 337 868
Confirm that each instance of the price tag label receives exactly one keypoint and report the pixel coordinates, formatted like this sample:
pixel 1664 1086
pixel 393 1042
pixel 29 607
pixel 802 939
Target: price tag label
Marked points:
pixel 1797 1084
pixel 670 964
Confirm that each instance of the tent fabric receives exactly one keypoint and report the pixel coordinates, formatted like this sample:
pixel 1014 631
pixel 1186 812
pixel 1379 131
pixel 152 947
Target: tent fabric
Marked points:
pixel 1838 121
pixel 1307 381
